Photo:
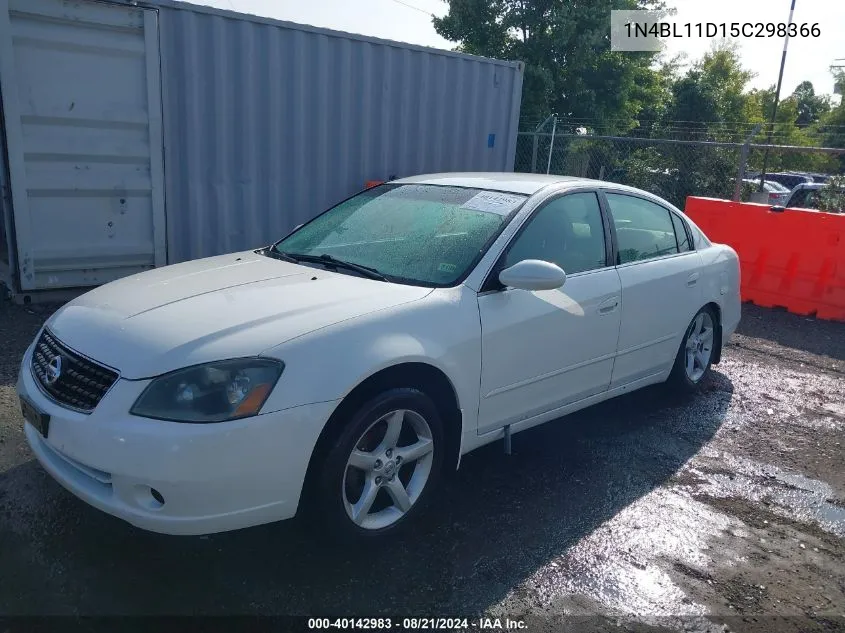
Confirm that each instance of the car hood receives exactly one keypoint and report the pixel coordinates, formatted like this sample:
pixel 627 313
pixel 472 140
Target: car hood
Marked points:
pixel 210 309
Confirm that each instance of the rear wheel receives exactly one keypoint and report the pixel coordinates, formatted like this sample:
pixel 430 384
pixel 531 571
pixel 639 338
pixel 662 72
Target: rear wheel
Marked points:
pixel 696 352
pixel 382 467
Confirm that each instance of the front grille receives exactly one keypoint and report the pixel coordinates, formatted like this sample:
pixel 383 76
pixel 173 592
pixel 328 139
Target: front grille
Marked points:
pixel 81 383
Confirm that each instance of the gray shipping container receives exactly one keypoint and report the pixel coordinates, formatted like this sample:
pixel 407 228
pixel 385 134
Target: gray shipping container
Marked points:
pixel 138 135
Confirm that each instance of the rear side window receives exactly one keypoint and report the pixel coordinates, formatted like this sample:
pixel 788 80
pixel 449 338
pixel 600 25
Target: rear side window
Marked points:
pixel 699 240
pixel 681 234
pixel 644 230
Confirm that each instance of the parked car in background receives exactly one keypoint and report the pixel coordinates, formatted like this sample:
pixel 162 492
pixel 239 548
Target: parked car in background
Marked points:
pixel 822 178
pixel 778 194
pixel 813 176
pixel 339 370
pixel 790 180
pixel 807 196
pixel 804 196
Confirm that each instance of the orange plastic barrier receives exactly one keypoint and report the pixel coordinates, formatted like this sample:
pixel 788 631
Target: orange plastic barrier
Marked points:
pixel 793 259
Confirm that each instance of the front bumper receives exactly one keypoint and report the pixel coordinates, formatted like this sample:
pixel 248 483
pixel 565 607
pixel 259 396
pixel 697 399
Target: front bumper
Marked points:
pixel 211 477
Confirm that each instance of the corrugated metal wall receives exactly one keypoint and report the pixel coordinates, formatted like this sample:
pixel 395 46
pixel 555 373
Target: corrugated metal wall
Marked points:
pixel 7 246
pixel 267 124
pixel 82 117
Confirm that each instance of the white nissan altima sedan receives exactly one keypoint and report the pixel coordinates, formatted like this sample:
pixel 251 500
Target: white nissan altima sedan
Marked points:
pixel 340 370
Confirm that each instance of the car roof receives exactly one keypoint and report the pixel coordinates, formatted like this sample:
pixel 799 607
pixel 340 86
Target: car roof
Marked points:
pixel 498 181
pixel 811 185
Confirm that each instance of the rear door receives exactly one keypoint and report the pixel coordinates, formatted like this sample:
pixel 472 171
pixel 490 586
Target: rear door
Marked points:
pixel 661 289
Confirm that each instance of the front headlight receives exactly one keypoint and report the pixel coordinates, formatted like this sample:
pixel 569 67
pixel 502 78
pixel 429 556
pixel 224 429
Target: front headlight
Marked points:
pixel 214 392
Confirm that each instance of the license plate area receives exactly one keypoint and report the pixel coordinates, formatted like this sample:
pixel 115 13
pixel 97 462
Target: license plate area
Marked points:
pixel 36 418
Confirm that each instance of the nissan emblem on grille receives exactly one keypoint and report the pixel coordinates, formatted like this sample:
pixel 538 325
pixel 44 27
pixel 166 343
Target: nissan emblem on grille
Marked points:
pixel 67 377
pixel 54 370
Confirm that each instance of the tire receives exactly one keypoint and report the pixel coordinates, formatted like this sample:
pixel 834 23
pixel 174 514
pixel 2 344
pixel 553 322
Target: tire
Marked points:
pixel 359 483
pixel 696 354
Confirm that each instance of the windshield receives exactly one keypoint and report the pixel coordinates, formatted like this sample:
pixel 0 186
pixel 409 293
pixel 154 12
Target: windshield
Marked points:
pixel 412 233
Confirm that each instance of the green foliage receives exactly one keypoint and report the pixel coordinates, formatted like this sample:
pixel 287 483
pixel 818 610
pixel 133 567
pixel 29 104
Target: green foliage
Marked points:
pixel 570 68
pixel 645 168
pixel 809 106
pixel 832 125
pixel 722 79
pixel 746 190
pixel 832 197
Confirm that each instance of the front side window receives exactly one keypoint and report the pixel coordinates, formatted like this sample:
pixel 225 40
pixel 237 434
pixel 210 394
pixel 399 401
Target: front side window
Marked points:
pixel 644 230
pixel 566 231
pixel 411 233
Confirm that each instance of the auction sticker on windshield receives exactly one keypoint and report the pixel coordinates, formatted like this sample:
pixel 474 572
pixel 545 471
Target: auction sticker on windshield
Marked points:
pixel 493 202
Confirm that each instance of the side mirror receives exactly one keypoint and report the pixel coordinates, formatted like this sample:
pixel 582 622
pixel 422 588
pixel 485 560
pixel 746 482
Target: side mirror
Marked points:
pixel 777 209
pixel 533 274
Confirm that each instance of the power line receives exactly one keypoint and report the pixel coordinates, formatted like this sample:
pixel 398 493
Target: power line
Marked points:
pixel 625 119
pixel 688 126
pixel 410 6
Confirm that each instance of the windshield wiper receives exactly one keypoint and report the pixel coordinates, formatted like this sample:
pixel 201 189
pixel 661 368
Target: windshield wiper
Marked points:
pixel 272 252
pixel 332 262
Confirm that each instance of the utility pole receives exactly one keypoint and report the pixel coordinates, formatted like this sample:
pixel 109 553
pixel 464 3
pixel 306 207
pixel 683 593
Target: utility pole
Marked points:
pixel 743 159
pixel 777 97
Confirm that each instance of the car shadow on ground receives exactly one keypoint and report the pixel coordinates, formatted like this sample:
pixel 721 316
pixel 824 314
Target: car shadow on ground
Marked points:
pixel 494 523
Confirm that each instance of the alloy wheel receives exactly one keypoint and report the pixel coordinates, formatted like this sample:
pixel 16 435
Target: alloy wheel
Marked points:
pixel 699 347
pixel 388 469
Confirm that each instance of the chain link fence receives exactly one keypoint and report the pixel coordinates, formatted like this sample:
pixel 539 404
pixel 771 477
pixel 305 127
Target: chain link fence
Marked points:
pixel 670 168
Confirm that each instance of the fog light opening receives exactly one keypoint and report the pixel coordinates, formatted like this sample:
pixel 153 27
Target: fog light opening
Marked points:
pixel 157 496
pixel 148 497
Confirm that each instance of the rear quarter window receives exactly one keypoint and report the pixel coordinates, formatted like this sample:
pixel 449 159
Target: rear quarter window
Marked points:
pixel 681 234
pixel 699 239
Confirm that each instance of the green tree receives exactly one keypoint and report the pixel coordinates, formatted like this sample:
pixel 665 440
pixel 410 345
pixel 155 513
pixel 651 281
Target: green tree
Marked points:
pixel 832 123
pixel 832 197
pixel 832 130
pixel 832 126
pixel 709 102
pixel 711 97
pixel 810 106
pixel 569 67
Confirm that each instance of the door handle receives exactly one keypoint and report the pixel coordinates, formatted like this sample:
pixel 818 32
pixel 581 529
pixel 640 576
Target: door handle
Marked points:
pixel 609 305
pixel 692 279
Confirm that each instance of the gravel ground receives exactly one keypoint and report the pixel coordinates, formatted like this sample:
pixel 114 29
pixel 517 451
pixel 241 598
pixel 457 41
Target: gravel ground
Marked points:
pixel 723 511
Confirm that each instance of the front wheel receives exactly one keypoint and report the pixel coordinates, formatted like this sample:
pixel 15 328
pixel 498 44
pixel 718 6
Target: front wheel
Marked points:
pixel 383 466
pixel 696 352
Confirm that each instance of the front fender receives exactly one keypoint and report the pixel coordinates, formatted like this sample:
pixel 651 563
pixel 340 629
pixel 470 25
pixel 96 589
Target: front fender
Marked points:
pixel 442 330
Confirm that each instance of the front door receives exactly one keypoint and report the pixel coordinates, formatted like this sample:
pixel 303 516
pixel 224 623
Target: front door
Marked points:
pixel 544 349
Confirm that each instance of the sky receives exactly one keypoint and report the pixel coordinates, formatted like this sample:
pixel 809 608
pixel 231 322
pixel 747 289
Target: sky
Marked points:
pixel 410 21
